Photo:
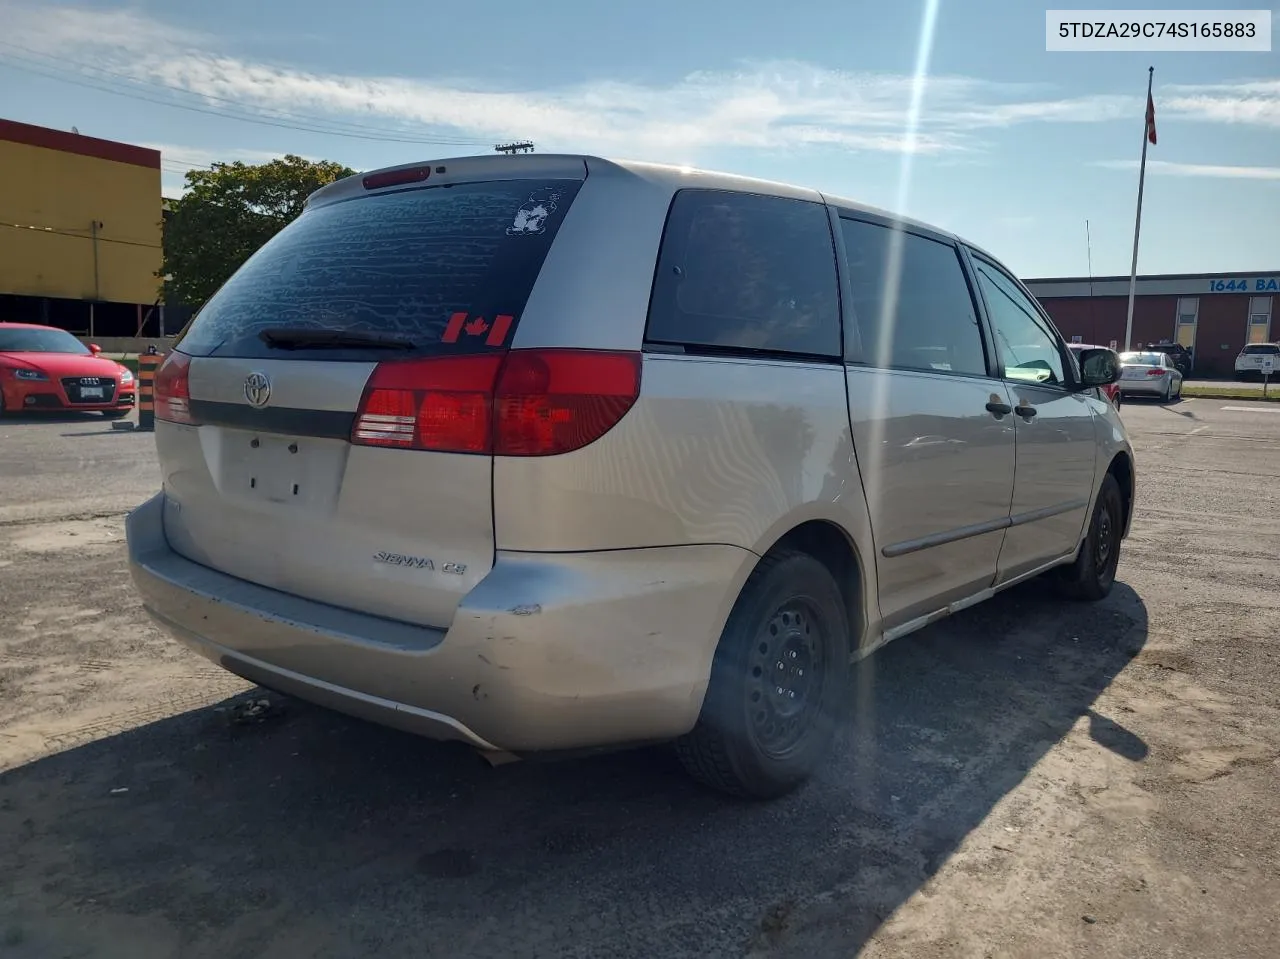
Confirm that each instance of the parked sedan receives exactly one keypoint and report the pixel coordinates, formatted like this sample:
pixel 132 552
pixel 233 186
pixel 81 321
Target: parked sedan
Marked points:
pixel 1112 390
pixel 1150 374
pixel 45 368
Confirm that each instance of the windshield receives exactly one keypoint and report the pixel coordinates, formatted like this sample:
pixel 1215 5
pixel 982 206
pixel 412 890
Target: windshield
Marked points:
pixel 1269 349
pixel 1141 359
pixel 39 341
pixel 397 265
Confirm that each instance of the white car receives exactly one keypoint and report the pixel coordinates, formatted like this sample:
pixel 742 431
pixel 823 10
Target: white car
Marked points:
pixel 1150 374
pixel 1252 359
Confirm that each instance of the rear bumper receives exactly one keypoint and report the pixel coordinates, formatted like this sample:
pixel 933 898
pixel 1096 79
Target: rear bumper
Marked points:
pixel 548 652
pixel 1152 387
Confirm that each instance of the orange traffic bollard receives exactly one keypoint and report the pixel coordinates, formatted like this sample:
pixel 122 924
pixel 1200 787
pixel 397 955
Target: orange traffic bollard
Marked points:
pixel 148 363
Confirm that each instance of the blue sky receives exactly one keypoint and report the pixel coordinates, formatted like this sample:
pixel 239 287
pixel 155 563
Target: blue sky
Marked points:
pixel 1014 148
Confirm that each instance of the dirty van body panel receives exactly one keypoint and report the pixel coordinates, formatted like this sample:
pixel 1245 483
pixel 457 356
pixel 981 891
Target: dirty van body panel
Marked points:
pixel 938 470
pixel 266 482
pixel 716 450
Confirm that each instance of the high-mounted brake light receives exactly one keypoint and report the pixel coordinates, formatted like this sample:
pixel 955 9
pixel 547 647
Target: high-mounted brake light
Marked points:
pixel 376 181
pixel 521 403
pixel 172 388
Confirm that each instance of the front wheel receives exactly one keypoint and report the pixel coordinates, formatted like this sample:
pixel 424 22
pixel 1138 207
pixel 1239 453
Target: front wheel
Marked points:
pixel 1093 573
pixel 778 681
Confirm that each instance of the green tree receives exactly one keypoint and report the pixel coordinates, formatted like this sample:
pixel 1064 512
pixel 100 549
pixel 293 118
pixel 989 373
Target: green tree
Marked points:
pixel 227 212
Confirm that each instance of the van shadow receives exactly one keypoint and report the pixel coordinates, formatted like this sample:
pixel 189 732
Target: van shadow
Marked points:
pixel 292 831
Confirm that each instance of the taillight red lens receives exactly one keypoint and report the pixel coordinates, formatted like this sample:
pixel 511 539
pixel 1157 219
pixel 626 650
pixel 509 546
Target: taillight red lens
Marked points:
pixel 555 401
pixel 441 403
pixel 172 388
pixel 521 403
pixel 1155 372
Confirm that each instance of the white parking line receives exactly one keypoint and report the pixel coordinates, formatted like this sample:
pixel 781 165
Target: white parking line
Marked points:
pixel 1253 409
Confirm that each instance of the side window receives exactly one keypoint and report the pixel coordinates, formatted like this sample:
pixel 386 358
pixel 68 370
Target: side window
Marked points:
pixel 748 272
pixel 913 308
pixel 1027 349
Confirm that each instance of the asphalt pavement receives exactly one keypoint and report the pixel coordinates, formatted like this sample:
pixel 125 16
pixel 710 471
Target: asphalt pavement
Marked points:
pixel 1028 778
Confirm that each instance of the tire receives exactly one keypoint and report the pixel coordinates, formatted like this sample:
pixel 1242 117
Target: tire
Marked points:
pixel 752 739
pixel 116 414
pixel 1167 394
pixel 1093 573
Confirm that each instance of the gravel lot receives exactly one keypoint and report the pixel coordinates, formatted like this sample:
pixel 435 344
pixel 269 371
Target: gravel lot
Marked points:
pixel 1025 779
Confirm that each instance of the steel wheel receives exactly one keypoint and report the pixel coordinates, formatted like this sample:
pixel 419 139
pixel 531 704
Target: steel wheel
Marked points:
pixel 785 679
pixel 778 682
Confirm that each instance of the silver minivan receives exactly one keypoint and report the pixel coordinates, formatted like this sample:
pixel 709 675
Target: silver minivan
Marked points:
pixel 552 453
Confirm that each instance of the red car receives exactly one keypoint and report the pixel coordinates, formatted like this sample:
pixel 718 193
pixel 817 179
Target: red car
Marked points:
pixel 1110 391
pixel 44 368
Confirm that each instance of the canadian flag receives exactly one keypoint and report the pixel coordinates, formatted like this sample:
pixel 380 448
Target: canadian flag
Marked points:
pixel 1151 118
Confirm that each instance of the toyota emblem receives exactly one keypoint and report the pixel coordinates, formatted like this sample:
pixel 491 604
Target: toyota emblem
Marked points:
pixel 257 389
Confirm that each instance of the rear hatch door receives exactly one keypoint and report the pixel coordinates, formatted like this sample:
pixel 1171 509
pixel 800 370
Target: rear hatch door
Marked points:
pixel 274 472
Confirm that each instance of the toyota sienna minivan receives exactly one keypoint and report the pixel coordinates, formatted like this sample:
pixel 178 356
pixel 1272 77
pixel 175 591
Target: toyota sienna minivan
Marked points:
pixel 552 453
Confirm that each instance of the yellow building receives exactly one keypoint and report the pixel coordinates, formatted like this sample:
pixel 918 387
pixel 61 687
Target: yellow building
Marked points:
pixel 80 224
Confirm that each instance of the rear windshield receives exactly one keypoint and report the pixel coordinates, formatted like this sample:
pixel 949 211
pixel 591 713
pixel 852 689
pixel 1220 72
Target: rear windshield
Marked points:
pixel 1141 359
pixel 447 268
pixel 1268 348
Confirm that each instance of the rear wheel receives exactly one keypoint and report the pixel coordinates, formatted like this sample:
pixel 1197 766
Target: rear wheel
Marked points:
pixel 1093 573
pixel 1167 393
pixel 778 681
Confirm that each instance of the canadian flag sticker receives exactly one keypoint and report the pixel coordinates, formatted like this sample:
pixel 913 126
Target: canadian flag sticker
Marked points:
pixel 464 325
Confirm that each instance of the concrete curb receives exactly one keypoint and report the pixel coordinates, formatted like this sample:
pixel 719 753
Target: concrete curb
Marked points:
pixel 1193 393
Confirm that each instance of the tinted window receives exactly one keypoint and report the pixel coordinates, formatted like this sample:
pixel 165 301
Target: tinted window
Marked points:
pixel 401 264
pixel 1026 347
pixel 744 271
pixel 1267 348
pixel 918 315
pixel 39 341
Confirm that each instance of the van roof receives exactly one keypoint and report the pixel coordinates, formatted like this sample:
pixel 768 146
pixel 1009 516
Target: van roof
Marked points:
pixel 572 165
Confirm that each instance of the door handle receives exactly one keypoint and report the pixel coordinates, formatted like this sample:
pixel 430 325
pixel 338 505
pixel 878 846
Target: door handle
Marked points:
pixel 1025 410
pixel 999 409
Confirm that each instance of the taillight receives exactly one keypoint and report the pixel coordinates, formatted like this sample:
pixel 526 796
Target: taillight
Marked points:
pixel 376 181
pixel 442 403
pixel 1156 372
pixel 172 388
pixel 555 401
pixel 521 403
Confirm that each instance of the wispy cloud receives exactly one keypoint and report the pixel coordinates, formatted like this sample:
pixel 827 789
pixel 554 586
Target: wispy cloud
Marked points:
pixel 1167 168
pixel 763 105
pixel 777 105
pixel 1255 102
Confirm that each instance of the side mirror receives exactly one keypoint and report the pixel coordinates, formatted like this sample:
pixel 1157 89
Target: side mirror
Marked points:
pixel 94 348
pixel 1099 367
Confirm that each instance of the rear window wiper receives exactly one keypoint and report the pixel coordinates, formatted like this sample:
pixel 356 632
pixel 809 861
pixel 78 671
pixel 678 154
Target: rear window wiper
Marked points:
pixel 309 338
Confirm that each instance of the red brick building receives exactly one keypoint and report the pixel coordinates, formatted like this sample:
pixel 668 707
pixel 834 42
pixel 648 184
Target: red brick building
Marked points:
pixel 1214 314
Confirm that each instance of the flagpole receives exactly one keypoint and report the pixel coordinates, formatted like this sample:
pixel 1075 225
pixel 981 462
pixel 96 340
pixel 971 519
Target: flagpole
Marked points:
pixel 1137 221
